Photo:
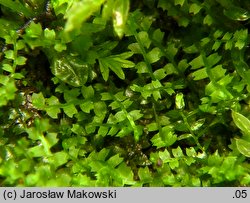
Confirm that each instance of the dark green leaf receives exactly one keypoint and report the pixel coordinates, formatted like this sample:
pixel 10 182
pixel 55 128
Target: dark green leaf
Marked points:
pixel 58 159
pixel 236 13
pixel 70 70
pixel 17 7
pixel 115 160
pixel 200 74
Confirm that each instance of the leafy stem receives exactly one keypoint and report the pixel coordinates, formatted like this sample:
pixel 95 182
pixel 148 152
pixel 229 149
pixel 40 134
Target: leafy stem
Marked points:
pixel 132 25
pixel 171 60
pixel 191 131
pixel 129 117
pixel 157 120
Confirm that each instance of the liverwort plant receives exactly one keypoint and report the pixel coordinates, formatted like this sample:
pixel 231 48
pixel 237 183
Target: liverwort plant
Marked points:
pixel 124 93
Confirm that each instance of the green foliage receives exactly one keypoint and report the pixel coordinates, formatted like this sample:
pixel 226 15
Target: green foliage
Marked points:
pixel 115 63
pixel 243 145
pixel 122 93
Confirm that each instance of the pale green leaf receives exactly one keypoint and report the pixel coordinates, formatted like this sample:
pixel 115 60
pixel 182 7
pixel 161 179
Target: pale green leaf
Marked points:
pixel 243 146
pixel 170 69
pixel 53 112
pixel 200 74
pixel 9 54
pixel 8 68
pixel 183 65
pixel 164 155
pixel 53 108
pixel 179 101
pixel 120 15
pixel 34 30
pixel 197 62
pixel 144 39
pixel 135 48
pixel 179 2
pixel 141 67
pixel 174 163
pixel 171 51
pixel 70 110
pixel 160 74
pixel 135 114
pixel 79 12
pixel 87 92
pixel 242 122
pixel 177 152
pixel 120 116
pixel 197 124
pixel 103 130
pixel 21 60
pixel 194 8
pixel 100 108
pixel 154 55
pixel 115 160
pixel 86 106
pixel 52 139
pixel 218 72
pixel 213 59
pixel 165 138
pixel 36 151
pixel 208 20
pixel 191 152
pixel 241 37
pixel 126 174
pixel 49 34
pixel 18 76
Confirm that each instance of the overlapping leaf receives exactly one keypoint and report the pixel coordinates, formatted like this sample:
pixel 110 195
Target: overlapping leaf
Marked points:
pixel 115 63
